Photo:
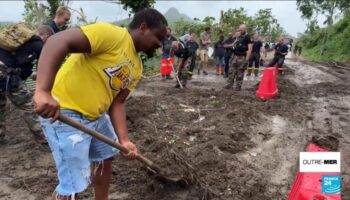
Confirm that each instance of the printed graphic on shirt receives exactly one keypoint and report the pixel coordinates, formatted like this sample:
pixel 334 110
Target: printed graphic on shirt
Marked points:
pixel 119 76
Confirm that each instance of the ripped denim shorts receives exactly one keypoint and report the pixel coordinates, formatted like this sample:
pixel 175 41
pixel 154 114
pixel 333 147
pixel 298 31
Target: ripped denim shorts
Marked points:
pixel 74 151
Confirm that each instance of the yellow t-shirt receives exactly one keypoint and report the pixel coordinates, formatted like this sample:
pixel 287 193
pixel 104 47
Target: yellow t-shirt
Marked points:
pixel 88 83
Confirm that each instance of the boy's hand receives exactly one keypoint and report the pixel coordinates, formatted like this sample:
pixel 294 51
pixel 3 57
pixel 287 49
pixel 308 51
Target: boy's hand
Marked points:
pixel 132 149
pixel 46 106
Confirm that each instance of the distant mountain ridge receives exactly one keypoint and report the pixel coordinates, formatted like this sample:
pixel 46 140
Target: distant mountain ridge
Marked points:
pixel 172 15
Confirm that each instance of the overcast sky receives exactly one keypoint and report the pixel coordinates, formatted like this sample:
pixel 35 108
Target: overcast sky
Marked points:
pixel 285 11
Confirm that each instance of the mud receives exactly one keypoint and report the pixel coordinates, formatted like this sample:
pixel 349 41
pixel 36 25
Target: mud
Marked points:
pixel 227 144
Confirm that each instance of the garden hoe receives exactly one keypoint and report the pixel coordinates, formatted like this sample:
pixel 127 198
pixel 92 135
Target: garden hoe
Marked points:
pixel 151 165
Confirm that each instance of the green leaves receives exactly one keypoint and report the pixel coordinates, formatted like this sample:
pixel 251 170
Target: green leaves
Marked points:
pixel 37 12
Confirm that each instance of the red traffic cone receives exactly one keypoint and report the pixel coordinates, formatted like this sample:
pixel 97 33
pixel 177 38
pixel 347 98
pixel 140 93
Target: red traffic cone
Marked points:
pixel 267 87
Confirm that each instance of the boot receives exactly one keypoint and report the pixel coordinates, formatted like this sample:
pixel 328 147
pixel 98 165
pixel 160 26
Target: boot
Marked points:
pixel 256 72
pixel 222 70
pixel 238 88
pixel 249 72
pixel 169 77
pixel 163 78
pixel 217 70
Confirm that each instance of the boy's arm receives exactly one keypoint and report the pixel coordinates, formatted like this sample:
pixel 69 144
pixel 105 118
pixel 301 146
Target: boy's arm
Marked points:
pixel 118 118
pixel 55 50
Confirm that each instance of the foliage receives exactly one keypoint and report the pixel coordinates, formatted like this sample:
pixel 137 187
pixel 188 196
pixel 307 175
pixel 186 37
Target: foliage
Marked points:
pixel 82 18
pixel 37 12
pixel 263 22
pixel 134 6
pixel 310 9
pixel 335 49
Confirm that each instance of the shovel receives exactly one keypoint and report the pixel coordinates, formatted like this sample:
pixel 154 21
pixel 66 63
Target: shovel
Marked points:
pixel 151 165
pixel 174 70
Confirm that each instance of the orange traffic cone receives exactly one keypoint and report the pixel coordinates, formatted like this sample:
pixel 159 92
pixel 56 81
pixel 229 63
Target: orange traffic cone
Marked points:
pixel 267 87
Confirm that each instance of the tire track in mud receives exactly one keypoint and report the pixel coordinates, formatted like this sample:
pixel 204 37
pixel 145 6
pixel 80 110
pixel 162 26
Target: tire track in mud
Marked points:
pixel 330 99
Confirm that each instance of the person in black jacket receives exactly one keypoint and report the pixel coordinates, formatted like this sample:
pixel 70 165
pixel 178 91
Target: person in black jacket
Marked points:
pixel 15 68
pixel 256 56
pixel 62 18
pixel 281 50
pixel 182 50
pixel 193 46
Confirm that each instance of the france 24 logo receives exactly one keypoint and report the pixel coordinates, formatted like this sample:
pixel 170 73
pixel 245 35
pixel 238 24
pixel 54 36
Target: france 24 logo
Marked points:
pixel 331 184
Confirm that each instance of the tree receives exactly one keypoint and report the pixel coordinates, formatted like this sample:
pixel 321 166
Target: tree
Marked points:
pixel 310 9
pixel 134 6
pixel 312 26
pixel 37 12
pixel 34 13
pixel 54 4
pixel 264 22
pixel 234 17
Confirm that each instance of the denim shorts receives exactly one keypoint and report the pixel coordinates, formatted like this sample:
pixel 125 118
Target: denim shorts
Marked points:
pixel 74 151
pixel 220 61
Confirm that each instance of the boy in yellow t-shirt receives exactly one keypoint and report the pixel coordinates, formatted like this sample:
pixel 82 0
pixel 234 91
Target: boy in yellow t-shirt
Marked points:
pixel 102 69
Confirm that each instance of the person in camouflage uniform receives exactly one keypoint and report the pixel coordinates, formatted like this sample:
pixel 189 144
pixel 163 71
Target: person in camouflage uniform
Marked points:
pixel 183 51
pixel 239 62
pixel 15 68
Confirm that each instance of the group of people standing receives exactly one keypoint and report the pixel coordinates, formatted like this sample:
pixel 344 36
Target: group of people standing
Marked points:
pixel 233 56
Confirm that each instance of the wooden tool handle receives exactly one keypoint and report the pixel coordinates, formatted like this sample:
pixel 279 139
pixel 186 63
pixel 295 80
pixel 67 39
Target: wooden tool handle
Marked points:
pixel 107 140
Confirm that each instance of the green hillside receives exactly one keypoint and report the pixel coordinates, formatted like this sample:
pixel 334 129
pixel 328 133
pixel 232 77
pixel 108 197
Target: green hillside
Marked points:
pixel 336 48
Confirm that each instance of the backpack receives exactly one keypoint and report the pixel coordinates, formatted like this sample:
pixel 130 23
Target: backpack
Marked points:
pixel 12 37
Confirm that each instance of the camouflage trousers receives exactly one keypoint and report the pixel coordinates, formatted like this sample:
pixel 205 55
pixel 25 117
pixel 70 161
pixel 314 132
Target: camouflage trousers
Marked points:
pixel 184 72
pixel 237 66
pixel 22 99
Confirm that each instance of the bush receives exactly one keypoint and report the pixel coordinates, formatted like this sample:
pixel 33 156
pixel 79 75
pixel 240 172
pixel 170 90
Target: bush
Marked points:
pixel 335 49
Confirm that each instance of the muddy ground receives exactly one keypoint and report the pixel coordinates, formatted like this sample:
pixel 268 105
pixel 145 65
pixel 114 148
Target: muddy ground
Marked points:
pixel 227 144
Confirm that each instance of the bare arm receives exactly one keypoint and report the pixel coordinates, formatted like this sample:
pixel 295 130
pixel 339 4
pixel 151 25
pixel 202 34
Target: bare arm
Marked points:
pixel 249 52
pixel 118 118
pixel 55 50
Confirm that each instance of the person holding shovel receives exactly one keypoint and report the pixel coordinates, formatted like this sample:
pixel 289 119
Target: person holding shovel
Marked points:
pixel 91 87
pixel 182 49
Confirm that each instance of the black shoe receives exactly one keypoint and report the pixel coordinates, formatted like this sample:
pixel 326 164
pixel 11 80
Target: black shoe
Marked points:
pixel 205 73
pixel 228 86
pixel 177 86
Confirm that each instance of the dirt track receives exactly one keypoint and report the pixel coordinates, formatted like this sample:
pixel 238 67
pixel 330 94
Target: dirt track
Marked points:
pixel 232 145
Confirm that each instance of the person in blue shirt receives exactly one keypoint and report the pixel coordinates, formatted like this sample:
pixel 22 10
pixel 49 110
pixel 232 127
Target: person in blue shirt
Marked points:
pixel 219 52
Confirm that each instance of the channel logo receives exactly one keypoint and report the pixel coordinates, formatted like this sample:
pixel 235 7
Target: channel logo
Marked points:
pixel 331 184
pixel 319 162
